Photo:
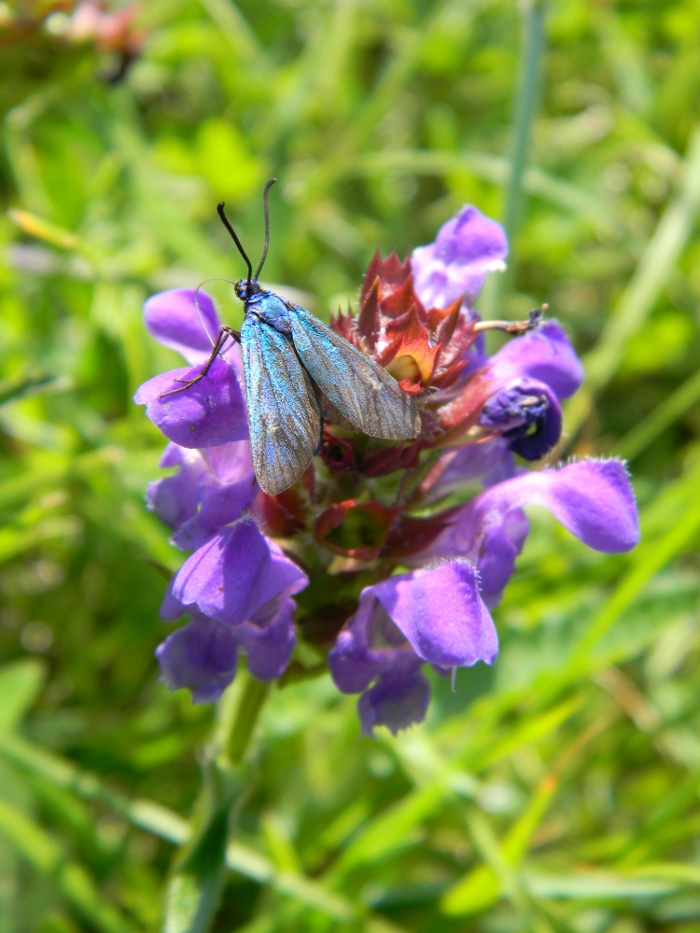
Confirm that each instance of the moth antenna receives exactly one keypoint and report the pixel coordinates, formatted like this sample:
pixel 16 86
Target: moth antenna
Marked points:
pixel 267 226
pixel 225 222
pixel 212 278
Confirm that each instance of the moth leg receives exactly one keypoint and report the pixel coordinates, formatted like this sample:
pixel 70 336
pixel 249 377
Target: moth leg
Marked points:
pixel 223 335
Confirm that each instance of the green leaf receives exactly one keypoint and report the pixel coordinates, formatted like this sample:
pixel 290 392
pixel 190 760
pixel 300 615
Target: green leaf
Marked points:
pixel 194 889
pixel 20 685
pixel 46 855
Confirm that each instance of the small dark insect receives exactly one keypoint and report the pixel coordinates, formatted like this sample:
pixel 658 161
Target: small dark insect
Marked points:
pixel 296 370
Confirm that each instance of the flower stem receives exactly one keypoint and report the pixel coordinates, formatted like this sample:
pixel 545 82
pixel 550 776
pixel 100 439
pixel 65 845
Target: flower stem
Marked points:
pixel 238 713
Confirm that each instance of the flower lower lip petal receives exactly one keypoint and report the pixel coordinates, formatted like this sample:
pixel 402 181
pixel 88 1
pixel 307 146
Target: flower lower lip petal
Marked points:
pixel 207 414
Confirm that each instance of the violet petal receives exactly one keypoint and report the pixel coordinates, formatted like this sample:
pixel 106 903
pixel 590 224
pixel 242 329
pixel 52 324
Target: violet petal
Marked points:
pixel 593 499
pixel 219 506
pixel 174 499
pixel 206 414
pixel 171 317
pixel 230 463
pixel 235 573
pixel 527 413
pixel 466 249
pixel 545 354
pixel 487 463
pixel 201 656
pixel 368 644
pixel 269 638
pixel 397 700
pixel 440 612
pixel 172 608
pixel 437 612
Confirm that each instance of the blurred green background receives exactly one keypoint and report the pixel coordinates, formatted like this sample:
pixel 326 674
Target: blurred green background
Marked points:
pixel 557 791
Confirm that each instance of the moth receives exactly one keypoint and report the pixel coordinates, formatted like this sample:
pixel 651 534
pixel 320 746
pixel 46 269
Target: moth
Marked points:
pixel 296 369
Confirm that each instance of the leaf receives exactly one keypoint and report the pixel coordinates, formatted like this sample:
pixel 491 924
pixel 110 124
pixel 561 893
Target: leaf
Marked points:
pixel 46 855
pixel 44 230
pixel 195 887
pixel 20 685
pixel 32 384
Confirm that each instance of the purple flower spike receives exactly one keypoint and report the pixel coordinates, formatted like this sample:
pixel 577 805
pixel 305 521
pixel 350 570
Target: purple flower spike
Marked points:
pixel 206 414
pixel 467 248
pixel 527 414
pixel 172 318
pixel 358 507
pixel 236 573
pixel 201 656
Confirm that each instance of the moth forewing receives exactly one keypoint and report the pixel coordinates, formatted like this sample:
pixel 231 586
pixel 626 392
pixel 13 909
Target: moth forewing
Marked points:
pixel 355 384
pixel 284 415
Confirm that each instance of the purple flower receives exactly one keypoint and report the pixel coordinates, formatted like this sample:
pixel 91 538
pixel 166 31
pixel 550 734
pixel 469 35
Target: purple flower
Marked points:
pixel 234 573
pixel 237 586
pixel 212 488
pixel 527 414
pixel 532 374
pixel 212 411
pixel 593 499
pixel 544 354
pixel 175 498
pixel 536 372
pixel 467 248
pixel 438 614
pixel 366 507
pixel 203 655
pixel 172 318
pixel 434 614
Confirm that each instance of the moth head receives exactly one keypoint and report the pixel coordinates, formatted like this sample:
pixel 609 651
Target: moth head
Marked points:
pixel 246 288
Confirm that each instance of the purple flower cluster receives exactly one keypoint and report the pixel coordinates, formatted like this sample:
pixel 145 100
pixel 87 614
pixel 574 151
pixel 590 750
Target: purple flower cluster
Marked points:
pixel 393 578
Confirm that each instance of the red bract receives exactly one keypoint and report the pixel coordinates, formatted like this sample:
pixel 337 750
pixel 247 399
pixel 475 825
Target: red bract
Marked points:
pixel 422 347
pixel 426 349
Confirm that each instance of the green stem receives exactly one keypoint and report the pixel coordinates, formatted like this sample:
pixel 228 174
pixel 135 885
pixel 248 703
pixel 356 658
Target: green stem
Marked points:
pixel 200 865
pixel 526 100
pixel 238 714
pixel 527 94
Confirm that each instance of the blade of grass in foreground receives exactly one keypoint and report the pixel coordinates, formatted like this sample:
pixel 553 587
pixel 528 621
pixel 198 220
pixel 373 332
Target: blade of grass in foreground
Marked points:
pixel 655 268
pixel 163 823
pixel 50 859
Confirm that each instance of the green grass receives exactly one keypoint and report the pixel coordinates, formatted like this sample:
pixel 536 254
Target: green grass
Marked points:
pixel 554 793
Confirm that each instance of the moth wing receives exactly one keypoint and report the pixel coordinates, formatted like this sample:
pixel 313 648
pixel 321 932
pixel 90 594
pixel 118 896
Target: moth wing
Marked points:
pixel 356 385
pixel 284 415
